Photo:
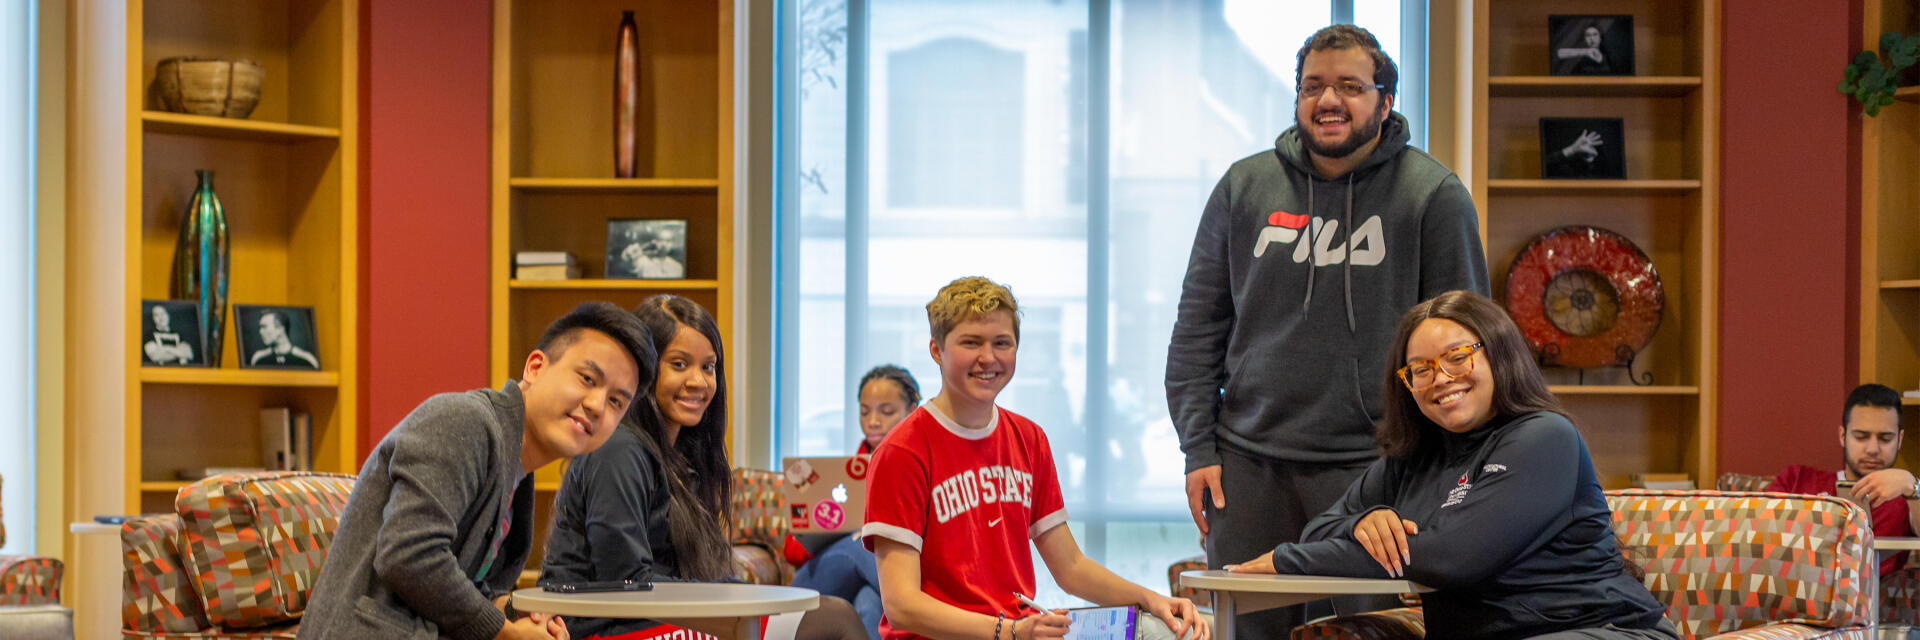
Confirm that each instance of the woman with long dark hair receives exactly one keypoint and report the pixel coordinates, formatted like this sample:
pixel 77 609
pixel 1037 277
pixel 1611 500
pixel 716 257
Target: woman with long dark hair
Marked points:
pixel 1485 493
pixel 651 504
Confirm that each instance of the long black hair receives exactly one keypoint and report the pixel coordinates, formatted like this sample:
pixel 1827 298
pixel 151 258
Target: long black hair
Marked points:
pixel 698 475
pixel 1518 387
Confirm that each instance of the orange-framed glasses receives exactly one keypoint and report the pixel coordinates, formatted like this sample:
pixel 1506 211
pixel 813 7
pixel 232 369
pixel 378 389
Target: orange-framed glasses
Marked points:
pixel 1456 362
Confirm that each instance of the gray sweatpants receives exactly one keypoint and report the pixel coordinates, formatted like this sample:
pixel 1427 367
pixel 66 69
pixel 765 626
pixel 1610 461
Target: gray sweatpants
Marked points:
pixel 1270 502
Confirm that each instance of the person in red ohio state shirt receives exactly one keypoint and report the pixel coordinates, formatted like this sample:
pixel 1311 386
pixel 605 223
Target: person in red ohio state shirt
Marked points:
pixel 962 485
pixel 1869 438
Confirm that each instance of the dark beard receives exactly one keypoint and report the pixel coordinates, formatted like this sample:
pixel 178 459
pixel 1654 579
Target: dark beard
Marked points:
pixel 1359 137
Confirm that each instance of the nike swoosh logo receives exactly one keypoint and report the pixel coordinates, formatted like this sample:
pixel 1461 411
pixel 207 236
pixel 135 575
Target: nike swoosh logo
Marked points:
pixel 994 521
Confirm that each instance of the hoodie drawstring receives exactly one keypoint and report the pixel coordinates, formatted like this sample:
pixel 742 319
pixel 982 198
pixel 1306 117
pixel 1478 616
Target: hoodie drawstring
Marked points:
pixel 1348 223
pixel 1313 261
pixel 1310 259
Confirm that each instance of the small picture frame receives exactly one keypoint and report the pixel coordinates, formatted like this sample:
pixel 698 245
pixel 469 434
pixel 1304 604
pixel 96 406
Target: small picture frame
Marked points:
pixel 1590 45
pixel 170 334
pixel 647 248
pixel 1583 148
pixel 275 337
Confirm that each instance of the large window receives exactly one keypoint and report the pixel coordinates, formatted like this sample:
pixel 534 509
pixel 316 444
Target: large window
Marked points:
pixel 18 59
pixel 1062 147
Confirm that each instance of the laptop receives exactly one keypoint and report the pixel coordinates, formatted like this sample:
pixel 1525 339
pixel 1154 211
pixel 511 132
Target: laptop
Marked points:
pixel 826 494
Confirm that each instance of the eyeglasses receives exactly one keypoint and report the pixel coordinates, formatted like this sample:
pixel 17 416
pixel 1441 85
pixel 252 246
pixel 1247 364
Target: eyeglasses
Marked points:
pixel 1312 89
pixel 1456 362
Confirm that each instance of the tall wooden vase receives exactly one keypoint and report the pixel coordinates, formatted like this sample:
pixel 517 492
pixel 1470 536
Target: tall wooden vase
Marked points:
pixel 200 261
pixel 626 99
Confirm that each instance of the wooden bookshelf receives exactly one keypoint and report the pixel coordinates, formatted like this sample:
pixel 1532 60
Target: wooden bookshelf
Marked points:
pixel 1667 205
pixel 552 175
pixel 286 177
pixel 1889 314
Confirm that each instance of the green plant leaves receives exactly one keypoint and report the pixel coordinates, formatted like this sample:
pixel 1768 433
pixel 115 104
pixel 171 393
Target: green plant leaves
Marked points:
pixel 1873 82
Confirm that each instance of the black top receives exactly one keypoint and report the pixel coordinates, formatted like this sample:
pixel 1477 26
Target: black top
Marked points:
pixel 610 523
pixel 1515 535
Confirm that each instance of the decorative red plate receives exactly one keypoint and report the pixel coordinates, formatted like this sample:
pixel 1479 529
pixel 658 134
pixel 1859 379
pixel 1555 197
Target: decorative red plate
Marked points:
pixel 1584 297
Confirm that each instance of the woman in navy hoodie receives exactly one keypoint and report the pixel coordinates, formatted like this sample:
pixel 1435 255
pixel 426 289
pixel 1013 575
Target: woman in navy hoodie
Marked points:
pixel 1485 493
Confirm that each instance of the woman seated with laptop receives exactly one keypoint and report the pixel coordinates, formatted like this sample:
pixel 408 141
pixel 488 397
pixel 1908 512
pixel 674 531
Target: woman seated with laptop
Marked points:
pixel 1485 493
pixel 844 568
pixel 650 504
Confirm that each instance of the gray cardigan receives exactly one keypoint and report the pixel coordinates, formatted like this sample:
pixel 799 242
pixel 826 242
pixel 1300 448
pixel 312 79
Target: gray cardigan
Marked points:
pixel 423 516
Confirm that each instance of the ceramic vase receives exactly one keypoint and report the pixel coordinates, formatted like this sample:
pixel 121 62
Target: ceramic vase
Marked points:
pixel 200 261
pixel 626 99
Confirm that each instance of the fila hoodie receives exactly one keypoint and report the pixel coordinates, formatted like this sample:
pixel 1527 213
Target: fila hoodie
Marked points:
pixel 1293 291
pixel 1515 537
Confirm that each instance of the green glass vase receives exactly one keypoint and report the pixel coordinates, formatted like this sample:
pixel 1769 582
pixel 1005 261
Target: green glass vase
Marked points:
pixel 200 261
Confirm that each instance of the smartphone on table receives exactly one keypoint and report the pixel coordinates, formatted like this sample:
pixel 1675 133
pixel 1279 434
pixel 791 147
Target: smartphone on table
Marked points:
pixel 601 586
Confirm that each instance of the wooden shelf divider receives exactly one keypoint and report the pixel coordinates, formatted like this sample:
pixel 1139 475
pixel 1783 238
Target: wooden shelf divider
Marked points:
pixel 1593 86
pixel 239 377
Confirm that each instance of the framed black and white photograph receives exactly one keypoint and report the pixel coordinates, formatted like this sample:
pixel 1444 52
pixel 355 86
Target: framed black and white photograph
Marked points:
pixel 276 337
pixel 1590 45
pixel 650 248
pixel 170 334
pixel 1592 148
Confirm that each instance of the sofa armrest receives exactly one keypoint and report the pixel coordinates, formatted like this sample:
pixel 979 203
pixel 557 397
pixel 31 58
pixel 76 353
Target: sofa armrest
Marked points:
pixel 755 564
pixel 36 622
pixel 1391 624
pixel 1793 631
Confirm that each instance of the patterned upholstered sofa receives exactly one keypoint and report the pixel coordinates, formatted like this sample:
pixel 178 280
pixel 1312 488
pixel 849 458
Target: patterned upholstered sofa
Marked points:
pixel 29 579
pixel 235 560
pixel 1729 565
pixel 1899 590
pixel 760 527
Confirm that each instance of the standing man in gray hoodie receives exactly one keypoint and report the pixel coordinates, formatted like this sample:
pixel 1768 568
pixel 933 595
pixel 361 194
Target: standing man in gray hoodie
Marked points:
pixel 1306 256
pixel 440 522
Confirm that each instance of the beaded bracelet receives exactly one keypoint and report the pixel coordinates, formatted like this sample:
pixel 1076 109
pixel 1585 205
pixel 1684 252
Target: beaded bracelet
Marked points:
pixel 997 619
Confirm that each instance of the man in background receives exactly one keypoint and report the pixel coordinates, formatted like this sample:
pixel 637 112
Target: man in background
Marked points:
pixel 1869 439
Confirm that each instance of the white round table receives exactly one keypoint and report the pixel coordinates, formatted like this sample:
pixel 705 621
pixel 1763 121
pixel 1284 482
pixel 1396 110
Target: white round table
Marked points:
pixel 1896 544
pixel 1237 593
pixel 740 606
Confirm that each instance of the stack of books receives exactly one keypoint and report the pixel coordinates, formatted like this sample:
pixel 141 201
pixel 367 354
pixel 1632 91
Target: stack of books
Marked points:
pixel 1662 481
pixel 545 265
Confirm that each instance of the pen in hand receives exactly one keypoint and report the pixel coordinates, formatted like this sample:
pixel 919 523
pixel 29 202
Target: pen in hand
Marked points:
pixel 1029 602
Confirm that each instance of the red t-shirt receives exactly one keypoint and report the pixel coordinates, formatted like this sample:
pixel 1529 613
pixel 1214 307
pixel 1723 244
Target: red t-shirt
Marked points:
pixel 969 500
pixel 1889 519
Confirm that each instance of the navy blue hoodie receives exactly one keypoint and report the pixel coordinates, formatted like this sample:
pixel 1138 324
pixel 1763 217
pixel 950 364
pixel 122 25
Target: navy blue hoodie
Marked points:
pixel 1283 359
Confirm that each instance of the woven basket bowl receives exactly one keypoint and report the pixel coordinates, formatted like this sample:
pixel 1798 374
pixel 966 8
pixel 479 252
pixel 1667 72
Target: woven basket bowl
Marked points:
pixel 209 86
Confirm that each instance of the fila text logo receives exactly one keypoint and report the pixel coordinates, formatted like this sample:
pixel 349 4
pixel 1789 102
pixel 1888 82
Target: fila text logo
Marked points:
pixel 1368 246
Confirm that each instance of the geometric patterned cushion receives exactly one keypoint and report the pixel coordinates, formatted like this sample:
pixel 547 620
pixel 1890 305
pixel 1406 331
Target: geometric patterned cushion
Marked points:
pixel 1725 562
pixel 759 508
pixel 157 592
pixel 1731 481
pixel 30 580
pixel 277 632
pixel 1391 624
pixel 256 541
pixel 1183 565
pixel 1900 595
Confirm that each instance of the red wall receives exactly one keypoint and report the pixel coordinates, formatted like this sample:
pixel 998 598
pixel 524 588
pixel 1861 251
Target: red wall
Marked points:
pixel 424 96
pixel 1789 206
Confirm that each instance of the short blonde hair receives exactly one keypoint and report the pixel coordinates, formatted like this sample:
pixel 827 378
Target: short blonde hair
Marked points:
pixel 968 299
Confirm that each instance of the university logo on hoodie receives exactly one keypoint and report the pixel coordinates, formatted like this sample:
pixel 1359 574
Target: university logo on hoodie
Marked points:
pixel 1367 245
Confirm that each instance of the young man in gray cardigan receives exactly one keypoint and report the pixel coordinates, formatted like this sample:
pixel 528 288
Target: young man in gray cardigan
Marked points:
pixel 440 521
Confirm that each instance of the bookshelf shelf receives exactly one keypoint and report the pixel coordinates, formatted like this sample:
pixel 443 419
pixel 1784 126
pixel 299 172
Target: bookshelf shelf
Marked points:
pixel 213 127
pixel 1624 390
pixel 239 377
pixel 613 184
pixel 587 284
pixel 1592 86
pixel 1632 187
